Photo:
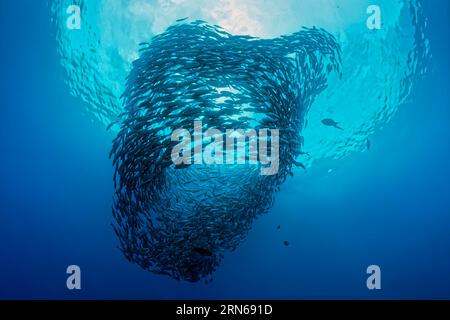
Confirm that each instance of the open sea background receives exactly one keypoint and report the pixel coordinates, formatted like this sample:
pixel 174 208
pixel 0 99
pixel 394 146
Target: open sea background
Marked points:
pixel 389 206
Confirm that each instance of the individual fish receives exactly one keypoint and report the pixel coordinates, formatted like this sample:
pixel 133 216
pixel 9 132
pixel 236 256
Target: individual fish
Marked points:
pixel 182 166
pixel 299 164
pixel 202 252
pixel 331 123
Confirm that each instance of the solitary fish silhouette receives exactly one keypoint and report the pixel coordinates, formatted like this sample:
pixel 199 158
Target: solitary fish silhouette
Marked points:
pixel 331 123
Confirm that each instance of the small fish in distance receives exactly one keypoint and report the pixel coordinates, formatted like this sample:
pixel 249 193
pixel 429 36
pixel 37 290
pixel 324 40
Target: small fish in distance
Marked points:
pixel 202 252
pixel 331 123
pixel 299 164
pixel 182 166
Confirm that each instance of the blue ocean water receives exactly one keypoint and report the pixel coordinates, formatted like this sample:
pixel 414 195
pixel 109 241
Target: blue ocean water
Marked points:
pixel 389 206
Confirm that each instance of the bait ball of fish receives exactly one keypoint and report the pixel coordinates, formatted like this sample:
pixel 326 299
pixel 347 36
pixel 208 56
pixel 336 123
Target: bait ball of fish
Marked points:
pixel 180 221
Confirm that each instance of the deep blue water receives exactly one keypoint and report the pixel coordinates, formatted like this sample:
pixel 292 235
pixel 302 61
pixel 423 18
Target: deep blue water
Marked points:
pixel 389 206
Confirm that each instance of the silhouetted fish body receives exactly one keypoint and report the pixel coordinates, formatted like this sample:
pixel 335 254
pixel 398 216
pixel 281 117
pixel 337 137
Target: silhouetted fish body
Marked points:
pixel 331 123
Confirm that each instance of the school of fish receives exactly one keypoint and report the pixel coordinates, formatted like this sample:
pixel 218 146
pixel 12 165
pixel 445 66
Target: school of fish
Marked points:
pixel 180 221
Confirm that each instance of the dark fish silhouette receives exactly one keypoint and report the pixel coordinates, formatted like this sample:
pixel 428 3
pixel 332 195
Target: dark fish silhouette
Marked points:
pixel 286 243
pixel 202 252
pixel 369 144
pixel 182 166
pixel 331 123
pixel 299 164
